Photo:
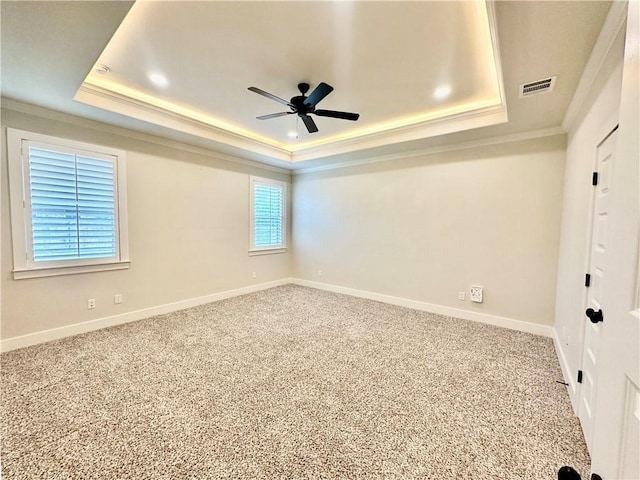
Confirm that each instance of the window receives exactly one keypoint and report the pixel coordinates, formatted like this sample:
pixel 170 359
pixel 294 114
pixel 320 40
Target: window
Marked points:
pixel 68 206
pixel 268 219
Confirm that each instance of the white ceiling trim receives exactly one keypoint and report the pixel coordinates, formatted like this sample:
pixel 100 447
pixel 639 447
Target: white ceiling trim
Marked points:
pixel 466 120
pixel 482 116
pixel 516 137
pixel 29 109
pixel 126 105
pixel 495 45
pixel 10 104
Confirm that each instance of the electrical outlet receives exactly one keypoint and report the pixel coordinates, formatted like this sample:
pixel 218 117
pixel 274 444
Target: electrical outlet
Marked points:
pixel 319 273
pixel 117 298
pixel 461 295
pixel 476 294
pixel 91 303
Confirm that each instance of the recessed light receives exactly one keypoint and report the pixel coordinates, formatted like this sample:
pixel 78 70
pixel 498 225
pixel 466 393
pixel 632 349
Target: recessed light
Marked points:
pixel 292 134
pixel 101 69
pixel 158 79
pixel 442 92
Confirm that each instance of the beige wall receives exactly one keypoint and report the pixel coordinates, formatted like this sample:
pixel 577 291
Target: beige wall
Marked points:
pixel 422 228
pixel 425 228
pixel 188 235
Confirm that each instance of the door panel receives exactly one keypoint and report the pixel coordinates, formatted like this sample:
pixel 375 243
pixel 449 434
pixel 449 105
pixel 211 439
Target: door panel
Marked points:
pixel 599 251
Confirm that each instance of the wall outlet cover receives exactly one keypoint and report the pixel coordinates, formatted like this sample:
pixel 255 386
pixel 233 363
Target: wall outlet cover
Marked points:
pixel 476 294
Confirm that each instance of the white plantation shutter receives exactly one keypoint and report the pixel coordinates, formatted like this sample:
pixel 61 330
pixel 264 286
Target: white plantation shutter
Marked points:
pixel 68 204
pixel 73 207
pixel 96 208
pixel 267 214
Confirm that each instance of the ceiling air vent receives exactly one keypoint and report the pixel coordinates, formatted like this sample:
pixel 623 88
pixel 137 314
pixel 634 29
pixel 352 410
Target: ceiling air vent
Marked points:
pixel 540 86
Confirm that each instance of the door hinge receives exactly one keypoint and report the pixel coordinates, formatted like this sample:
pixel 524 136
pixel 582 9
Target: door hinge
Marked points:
pixel 594 178
pixel 579 376
pixel 587 280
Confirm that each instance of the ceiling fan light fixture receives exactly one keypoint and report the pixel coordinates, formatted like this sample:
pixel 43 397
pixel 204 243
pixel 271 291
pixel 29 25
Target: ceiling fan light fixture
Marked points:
pixel 442 92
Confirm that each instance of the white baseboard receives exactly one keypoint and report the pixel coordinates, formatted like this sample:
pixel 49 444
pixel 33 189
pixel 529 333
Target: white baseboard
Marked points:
pixel 91 325
pixel 566 372
pixel 519 325
pixel 83 327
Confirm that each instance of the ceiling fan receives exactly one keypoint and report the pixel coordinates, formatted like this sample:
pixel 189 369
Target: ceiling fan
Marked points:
pixel 303 105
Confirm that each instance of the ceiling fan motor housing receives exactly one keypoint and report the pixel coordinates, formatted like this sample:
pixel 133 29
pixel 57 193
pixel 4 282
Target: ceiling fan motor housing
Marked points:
pixel 301 107
pixel 303 87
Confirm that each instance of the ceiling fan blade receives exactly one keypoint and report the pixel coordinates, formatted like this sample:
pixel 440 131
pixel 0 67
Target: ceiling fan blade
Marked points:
pixel 309 123
pixel 318 94
pixel 273 115
pixel 335 114
pixel 271 96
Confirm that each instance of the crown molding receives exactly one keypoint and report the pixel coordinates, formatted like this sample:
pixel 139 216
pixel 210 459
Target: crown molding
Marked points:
pixel 495 45
pixel 42 112
pixel 112 101
pixel 481 116
pixel 612 25
pixel 516 137
pixel 466 120
pixel 290 168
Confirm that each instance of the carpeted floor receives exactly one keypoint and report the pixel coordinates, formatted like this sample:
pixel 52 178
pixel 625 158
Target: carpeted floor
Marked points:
pixel 289 383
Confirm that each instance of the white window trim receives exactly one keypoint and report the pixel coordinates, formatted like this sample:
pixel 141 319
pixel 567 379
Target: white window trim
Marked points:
pixel 253 250
pixel 18 190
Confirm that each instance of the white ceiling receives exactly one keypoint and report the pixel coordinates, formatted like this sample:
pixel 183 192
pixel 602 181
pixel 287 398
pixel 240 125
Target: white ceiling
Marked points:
pixel 384 59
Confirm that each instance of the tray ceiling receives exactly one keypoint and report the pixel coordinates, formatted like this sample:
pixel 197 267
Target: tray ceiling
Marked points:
pixel 386 61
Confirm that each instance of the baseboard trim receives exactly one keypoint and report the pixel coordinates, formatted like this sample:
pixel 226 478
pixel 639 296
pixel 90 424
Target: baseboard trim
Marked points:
pixel 35 338
pixel 572 388
pixel 14 343
pixel 504 322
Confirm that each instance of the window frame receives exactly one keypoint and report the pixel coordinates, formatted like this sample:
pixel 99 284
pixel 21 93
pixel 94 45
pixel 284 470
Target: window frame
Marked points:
pixel 24 266
pixel 282 247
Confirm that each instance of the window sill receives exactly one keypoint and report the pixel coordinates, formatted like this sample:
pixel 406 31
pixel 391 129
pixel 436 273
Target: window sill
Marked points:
pixel 55 271
pixel 266 251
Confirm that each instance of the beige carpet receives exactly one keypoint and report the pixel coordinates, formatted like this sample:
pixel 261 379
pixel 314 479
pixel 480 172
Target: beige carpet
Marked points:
pixel 289 383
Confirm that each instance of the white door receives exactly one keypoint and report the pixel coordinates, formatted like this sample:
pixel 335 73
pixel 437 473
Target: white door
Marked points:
pixel 616 429
pixel 597 270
